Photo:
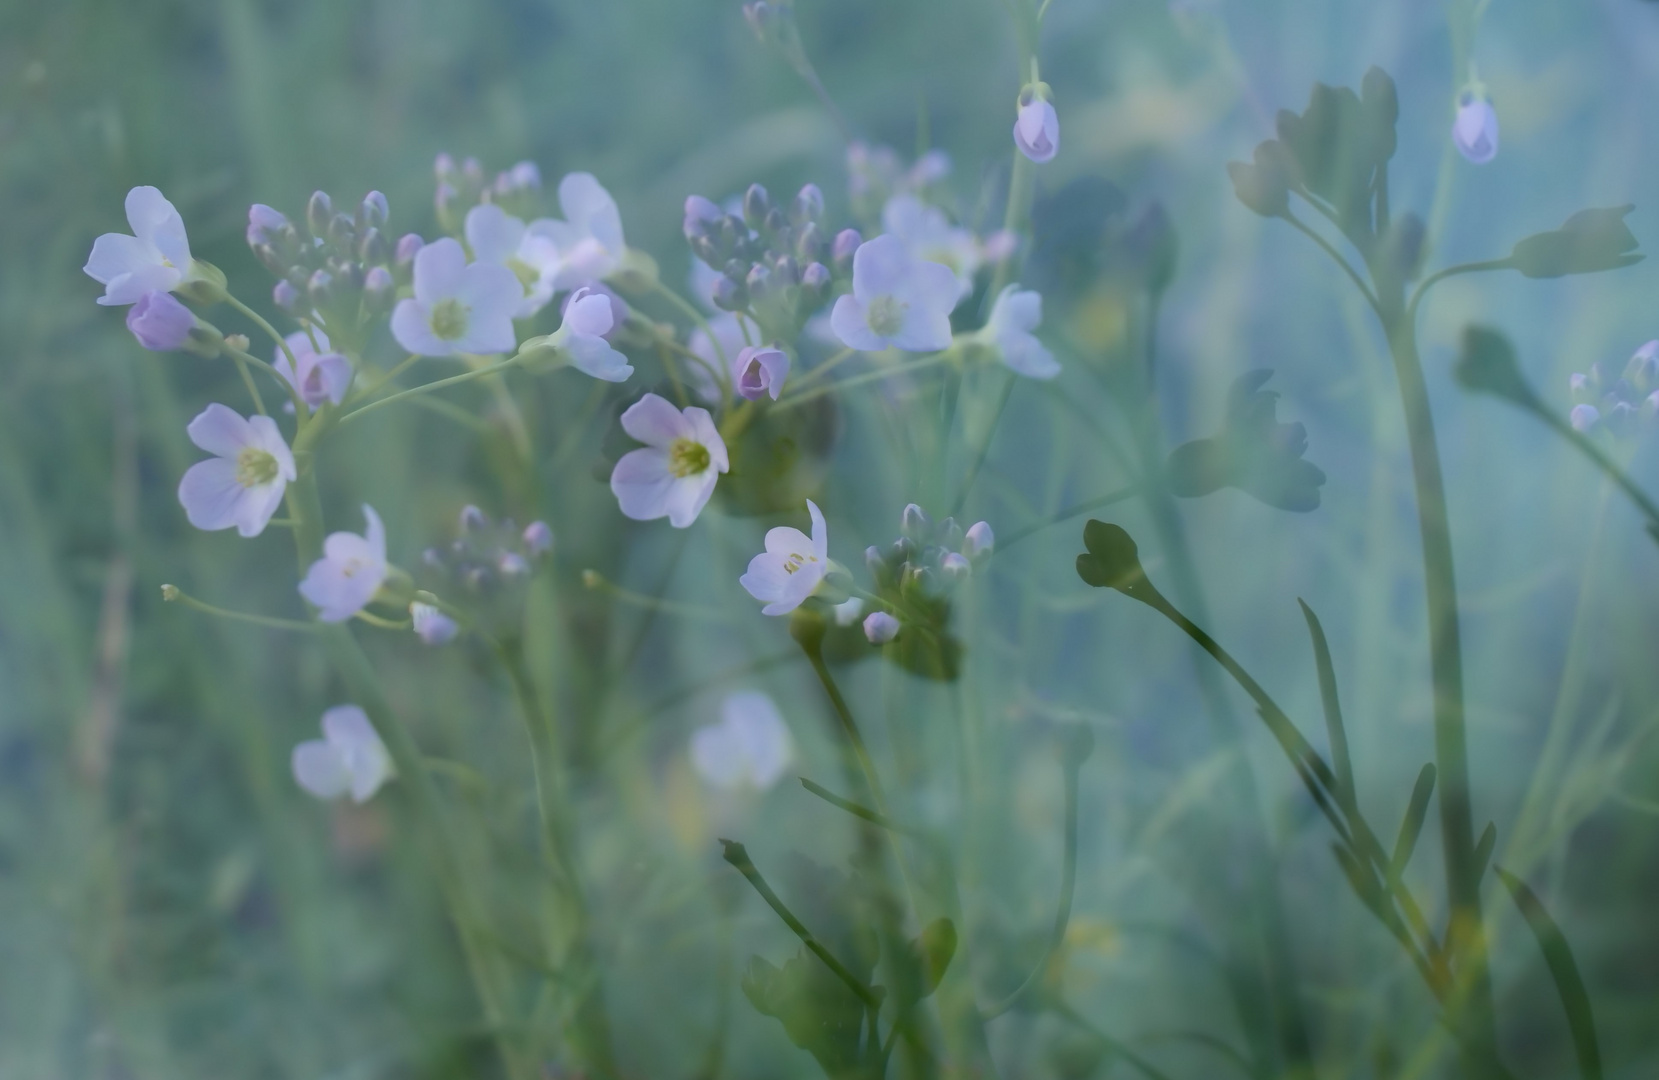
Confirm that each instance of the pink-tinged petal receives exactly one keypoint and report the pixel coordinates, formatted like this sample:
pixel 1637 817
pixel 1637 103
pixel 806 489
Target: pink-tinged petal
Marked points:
pixel 220 430
pixel 924 329
pixel 716 756
pixel 211 495
pixel 155 219
pixel 590 208
pixel 438 269
pixel 268 437
pixel 594 356
pixel 704 431
pixel 851 324
pixel 820 531
pixel 115 254
pixel 643 484
pixel 338 595
pixel 319 770
pixel 589 312
pixel 493 234
pixel 413 330
pixel 654 421
pixel 880 267
pixel 256 507
pixel 688 495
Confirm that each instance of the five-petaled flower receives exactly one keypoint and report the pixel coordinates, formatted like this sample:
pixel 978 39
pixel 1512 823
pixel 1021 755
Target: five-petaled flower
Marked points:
pixel 345 579
pixel 897 300
pixel 323 375
pixel 457 308
pixel 749 745
pixel 589 239
pixel 155 258
pixel 1008 333
pixel 243 483
pixel 349 759
pixel 674 473
pixel 791 567
pixel 928 234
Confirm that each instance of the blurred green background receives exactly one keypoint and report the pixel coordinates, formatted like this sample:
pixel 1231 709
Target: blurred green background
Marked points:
pixel 172 906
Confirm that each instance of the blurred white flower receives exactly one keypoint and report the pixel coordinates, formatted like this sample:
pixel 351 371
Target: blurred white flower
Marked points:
pixel 529 251
pixel 674 474
pixel 750 744
pixel 345 579
pixel 897 301
pixel 431 625
pixel 928 234
pixel 155 258
pixel 1008 333
pixel 348 759
pixel 457 307
pixel 589 239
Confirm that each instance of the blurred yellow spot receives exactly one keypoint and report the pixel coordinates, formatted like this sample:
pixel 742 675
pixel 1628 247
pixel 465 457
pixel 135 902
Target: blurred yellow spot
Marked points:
pixel 1093 935
pixel 1102 319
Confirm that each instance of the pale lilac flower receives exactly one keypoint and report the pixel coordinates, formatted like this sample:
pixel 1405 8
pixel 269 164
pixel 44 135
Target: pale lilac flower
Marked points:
pixel 880 628
pixel 760 369
pixel 928 234
pixel 155 258
pixel 979 542
pixel 1037 130
pixel 160 322
pixel 1008 333
pixel 529 251
pixel 848 611
pixel 580 337
pixel 729 334
pixel 242 484
pixel 511 564
pixel 791 567
pixel 674 473
pixel 538 538
pixel 930 168
pixel 897 301
pixel 323 376
pixel 750 744
pixel 1475 131
pixel 348 759
pixel 431 625
pixel 457 308
pixel 345 579
pixel 589 239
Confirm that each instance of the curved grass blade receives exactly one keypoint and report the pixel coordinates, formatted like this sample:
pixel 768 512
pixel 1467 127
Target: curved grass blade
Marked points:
pixel 1412 826
pixel 1563 970
pixel 1346 792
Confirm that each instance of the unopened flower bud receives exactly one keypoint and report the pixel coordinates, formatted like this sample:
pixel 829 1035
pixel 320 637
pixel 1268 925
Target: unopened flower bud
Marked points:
pixel 979 542
pixel 1584 417
pixel 816 280
pixel 848 611
pixel 874 561
pixel 760 16
pixel 318 212
pixel 915 524
pixel 1475 131
pixel 955 567
pixel 373 247
pixel 320 288
pixel 760 370
pixel 472 171
pixel 808 205
pixel 786 271
pixel 777 226
pixel 756 205
pixel 759 281
pixel 880 627
pixel 379 289
pixel 538 538
pixel 263 224
pixel 950 534
pixel 431 625
pixel 729 296
pixel 904 549
pixel 809 243
pixel 473 519
pixel 512 564
pixel 286 297
pixel 1037 128
pixel 702 217
pixel 160 322
pixel 341 232
pixel 268 256
pixel 238 342
pixel 408 246
pixel 373 211
pixel 841 251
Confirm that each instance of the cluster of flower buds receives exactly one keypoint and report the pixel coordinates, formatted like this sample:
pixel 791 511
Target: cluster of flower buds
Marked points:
pixel 929 556
pixel 772 258
pixel 489 559
pixel 339 267
pixel 1619 405
pixel 461 187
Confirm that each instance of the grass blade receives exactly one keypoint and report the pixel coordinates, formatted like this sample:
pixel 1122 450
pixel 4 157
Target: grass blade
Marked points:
pixel 1563 969
pixel 1412 826
pixel 1333 710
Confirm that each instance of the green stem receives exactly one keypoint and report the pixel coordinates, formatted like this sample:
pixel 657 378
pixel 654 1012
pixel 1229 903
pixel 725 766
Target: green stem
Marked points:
pixel 174 595
pixel 1602 460
pixel 1009 381
pixel 789 401
pixel 245 358
pixel 810 377
pixel 247 380
pixel 1441 275
pixel 259 320
pixel 815 654
pixel 1336 257
pixel 427 388
pixel 1070 512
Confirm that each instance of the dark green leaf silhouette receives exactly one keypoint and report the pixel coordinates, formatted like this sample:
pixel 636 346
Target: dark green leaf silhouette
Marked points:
pixel 1590 241
pixel 1412 825
pixel 818 1011
pixel 1264 185
pixel 1575 999
pixel 1113 562
pixel 1341 142
pixel 1486 363
pixel 1253 452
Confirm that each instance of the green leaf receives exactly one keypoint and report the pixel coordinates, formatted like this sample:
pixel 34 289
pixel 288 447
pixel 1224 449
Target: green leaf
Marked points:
pixel 1575 999
pixel 1486 364
pixel 1264 185
pixel 1113 562
pixel 1333 710
pixel 1483 849
pixel 1342 143
pixel 818 1012
pixel 933 951
pixel 1416 811
pixel 1253 452
pixel 1588 242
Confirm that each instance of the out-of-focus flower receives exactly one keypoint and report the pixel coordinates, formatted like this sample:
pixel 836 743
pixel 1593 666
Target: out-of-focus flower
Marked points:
pixel 749 745
pixel 791 567
pixel 349 759
pixel 242 484
pixel 1253 452
pixel 457 307
pixel 1620 405
pixel 979 542
pixel 758 370
pixel 155 258
pixel 1587 243
pixel 729 334
pixel 928 234
pixel 160 322
pixel 880 627
pixel 1007 333
pixel 897 301
pixel 529 251
pixel 1475 131
pixel 431 625
pixel 345 579
pixel 674 473
pixel 580 338
pixel 848 611
pixel 323 375
pixel 1037 128
pixel 589 239
pixel 538 538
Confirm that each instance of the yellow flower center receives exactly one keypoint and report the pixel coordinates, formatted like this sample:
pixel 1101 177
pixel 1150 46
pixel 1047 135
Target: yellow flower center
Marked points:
pixel 449 319
pixel 886 315
pixel 255 467
pixel 687 457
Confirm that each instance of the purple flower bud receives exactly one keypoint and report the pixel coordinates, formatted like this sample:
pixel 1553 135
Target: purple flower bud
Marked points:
pixel 1578 383
pixel 444 168
pixel 786 271
pixel 760 369
pixel 379 289
pixel 729 295
pixel 342 233
pixel 758 281
pixel 808 205
pixel 286 297
pixel 1584 417
pixel 979 542
pixel 1037 129
pixel 955 567
pixel 407 248
pixel 160 322
pixel 841 251
pixel 619 307
pixel 874 561
pixel 526 176
pixel 473 519
pixel 915 524
pixel 263 224
pixel 816 278
pixel 442 197
pixel 1001 244
pixel 701 216
pixel 374 211
pixel 809 243
pixel 538 538
pixel 319 211
pixel 372 247
pixel 756 205
pixel 1475 131
pixel 320 288
pixel 431 625
pixel 880 627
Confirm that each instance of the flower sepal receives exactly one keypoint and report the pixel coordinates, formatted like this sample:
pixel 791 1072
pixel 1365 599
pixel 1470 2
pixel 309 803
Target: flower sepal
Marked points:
pixel 204 285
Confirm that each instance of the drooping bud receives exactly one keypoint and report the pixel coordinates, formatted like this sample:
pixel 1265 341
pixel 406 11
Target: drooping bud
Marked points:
pixel 160 322
pixel 1037 127
pixel 1475 131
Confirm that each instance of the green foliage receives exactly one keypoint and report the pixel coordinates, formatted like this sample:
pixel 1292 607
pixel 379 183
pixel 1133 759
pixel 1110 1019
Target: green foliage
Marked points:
pixel 1587 243
pixel 1558 955
pixel 1253 452
pixel 1486 364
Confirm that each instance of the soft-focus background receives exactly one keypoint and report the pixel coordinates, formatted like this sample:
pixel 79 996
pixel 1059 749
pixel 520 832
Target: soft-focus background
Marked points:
pixel 172 906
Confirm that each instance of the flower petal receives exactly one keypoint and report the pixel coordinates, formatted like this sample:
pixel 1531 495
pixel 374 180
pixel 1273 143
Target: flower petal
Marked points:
pixel 438 269
pixel 851 324
pixel 643 483
pixel 925 329
pixel 594 356
pixel 589 312
pixel 211 495
pixel 493 234
pixel 155 219
pixel 376 534
pixel 687 496
pixel 590 208
pixel 820 531
pixel 221 430
pixel 257 505
pixel 115 254
pixel 654 421
pixel 318 769
pixel 413 330
pixel 704 431
pixel 880 267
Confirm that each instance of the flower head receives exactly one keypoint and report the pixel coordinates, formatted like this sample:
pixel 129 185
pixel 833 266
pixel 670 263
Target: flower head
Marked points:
pixel 674 473
pixel 323 375
pixel 1037 129
pixel 457 308
pixel 791 567
pixel 160 322
pixel 1475 131
pixel 155 258
pixel 348 759
pixel 580 338
pixel 431 625
pixel 242 484
pixel 897 301
pixel 345 579
pixel 529 251
pixel 1008 333
pixel 1619 404
pixel 760 369
pixel 589 239
pixel 749 745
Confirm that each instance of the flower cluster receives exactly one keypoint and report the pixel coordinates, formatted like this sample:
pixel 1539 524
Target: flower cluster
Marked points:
pixel 1620 405
pixel 484 568
pixel 771 258
pixel 336 269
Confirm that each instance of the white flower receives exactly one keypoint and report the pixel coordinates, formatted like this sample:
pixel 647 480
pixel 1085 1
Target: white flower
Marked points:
pixel 348 759
pixel 674 474
pixel 928 234
pixel 1475 132
pixel 979 542
pixel 897 300
pixel 880 628
pixel 345 579
pixel 588 317
pixel 242 485
pixel 155 258
pixel 529 251
pixel 791 567
pixel 750 744
pixel 431 625
pixel 589 239
pixel 457 308
pixel 1008 333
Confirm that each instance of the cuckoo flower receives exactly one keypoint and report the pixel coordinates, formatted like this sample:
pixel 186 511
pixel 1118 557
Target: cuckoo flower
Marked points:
pixel 349 759
pixel 759 370
pixel 674 473
pixel 928 234
pixel 1008 333
pixel 1475 131
pixel 243 483
pixel 529 251
pixel 160 322
pixel 589 315
pixel 155 258
pixel 750 744
pixel 322 376
pixel 897 300
pixel 345 579
pixel 1037 130
pixel 457 308
pixel 589 239
pixel 791 567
